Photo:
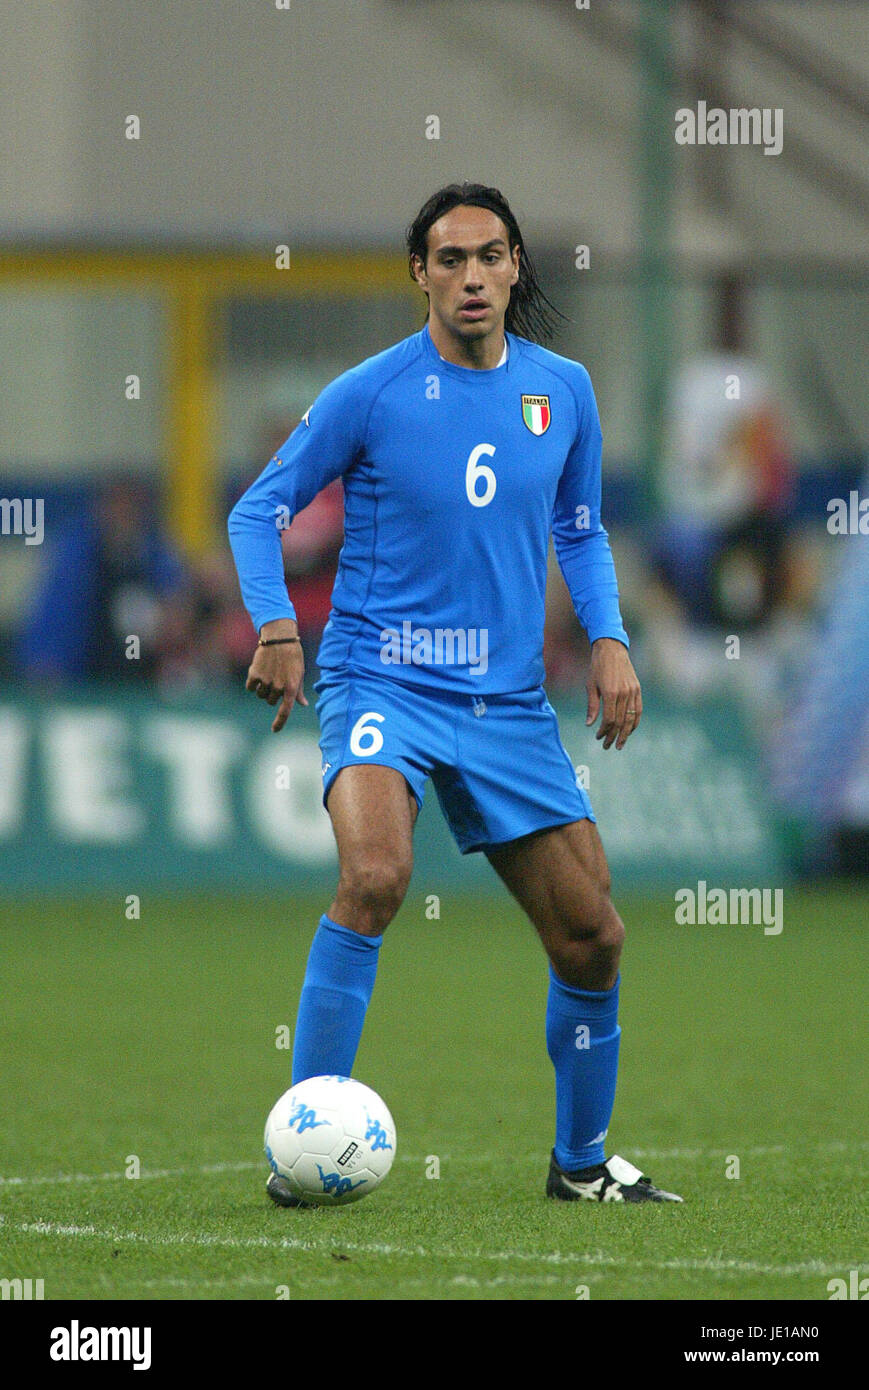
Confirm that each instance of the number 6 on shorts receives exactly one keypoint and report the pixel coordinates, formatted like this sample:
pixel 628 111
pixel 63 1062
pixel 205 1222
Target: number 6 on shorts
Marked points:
pixel 364 739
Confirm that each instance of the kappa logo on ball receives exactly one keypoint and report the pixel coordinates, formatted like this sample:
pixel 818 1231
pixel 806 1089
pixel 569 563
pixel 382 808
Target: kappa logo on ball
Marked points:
pixel 536 413
pixel 331 1139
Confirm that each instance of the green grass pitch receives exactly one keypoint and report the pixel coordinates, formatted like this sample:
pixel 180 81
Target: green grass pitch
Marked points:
pixel 157 1039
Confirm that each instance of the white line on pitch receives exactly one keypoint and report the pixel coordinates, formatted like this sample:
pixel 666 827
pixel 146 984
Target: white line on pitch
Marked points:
pixel 117 1175
pixel 259 1281
pixel 813 1268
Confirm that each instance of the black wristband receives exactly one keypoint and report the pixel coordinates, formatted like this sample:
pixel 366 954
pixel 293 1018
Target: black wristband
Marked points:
pixel 276 641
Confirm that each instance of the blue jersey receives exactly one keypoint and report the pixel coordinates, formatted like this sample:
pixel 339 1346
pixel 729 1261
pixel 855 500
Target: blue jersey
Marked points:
pixel 454 480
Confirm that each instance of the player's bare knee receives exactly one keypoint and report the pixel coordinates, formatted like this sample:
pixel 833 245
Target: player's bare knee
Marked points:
pixel 595 923
pixel 588 946
pixel 373 889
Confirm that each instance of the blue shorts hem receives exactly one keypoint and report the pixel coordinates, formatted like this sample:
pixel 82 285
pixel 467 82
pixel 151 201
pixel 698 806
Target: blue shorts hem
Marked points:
pixel 480 846
pixel 328 781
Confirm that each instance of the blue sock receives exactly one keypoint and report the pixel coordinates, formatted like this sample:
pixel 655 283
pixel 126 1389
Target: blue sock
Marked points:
pixel 582 1037
pixel 338 982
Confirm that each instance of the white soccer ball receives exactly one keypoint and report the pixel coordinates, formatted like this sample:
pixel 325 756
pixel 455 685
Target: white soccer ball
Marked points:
pixel 332 1138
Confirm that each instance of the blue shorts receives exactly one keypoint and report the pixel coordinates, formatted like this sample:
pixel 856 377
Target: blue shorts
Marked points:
pixel 498 764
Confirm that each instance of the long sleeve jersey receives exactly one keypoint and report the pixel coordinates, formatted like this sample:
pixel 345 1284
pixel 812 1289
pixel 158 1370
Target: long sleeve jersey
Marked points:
pixel 454 480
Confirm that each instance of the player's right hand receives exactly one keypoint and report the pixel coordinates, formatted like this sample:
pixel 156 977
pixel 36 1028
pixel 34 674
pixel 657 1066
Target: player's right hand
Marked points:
pixel 278 673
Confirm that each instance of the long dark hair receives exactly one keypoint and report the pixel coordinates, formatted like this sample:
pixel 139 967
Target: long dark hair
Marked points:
pixel 529 313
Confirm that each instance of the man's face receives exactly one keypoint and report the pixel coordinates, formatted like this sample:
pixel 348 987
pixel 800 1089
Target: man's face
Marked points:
pixel 469 271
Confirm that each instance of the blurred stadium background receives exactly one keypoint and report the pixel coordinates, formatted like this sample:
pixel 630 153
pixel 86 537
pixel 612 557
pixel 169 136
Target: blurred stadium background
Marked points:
pixel 163 858
pixel 312 127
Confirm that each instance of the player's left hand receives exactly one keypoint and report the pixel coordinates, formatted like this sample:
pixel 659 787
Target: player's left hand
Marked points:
pixel 612 683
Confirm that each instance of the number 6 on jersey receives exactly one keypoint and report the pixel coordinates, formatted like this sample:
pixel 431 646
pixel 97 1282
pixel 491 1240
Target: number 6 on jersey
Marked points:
pixel 475 471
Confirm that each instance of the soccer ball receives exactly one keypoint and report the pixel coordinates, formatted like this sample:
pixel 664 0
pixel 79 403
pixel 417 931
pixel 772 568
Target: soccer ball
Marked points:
pixel 332 1138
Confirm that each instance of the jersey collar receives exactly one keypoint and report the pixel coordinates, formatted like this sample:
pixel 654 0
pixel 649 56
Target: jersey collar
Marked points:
pixel 470 374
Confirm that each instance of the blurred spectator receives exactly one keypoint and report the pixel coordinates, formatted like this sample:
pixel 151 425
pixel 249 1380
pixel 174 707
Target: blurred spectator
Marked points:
pixel 111 577
pixel 726 484
pixel 206 636
pixel 726 559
